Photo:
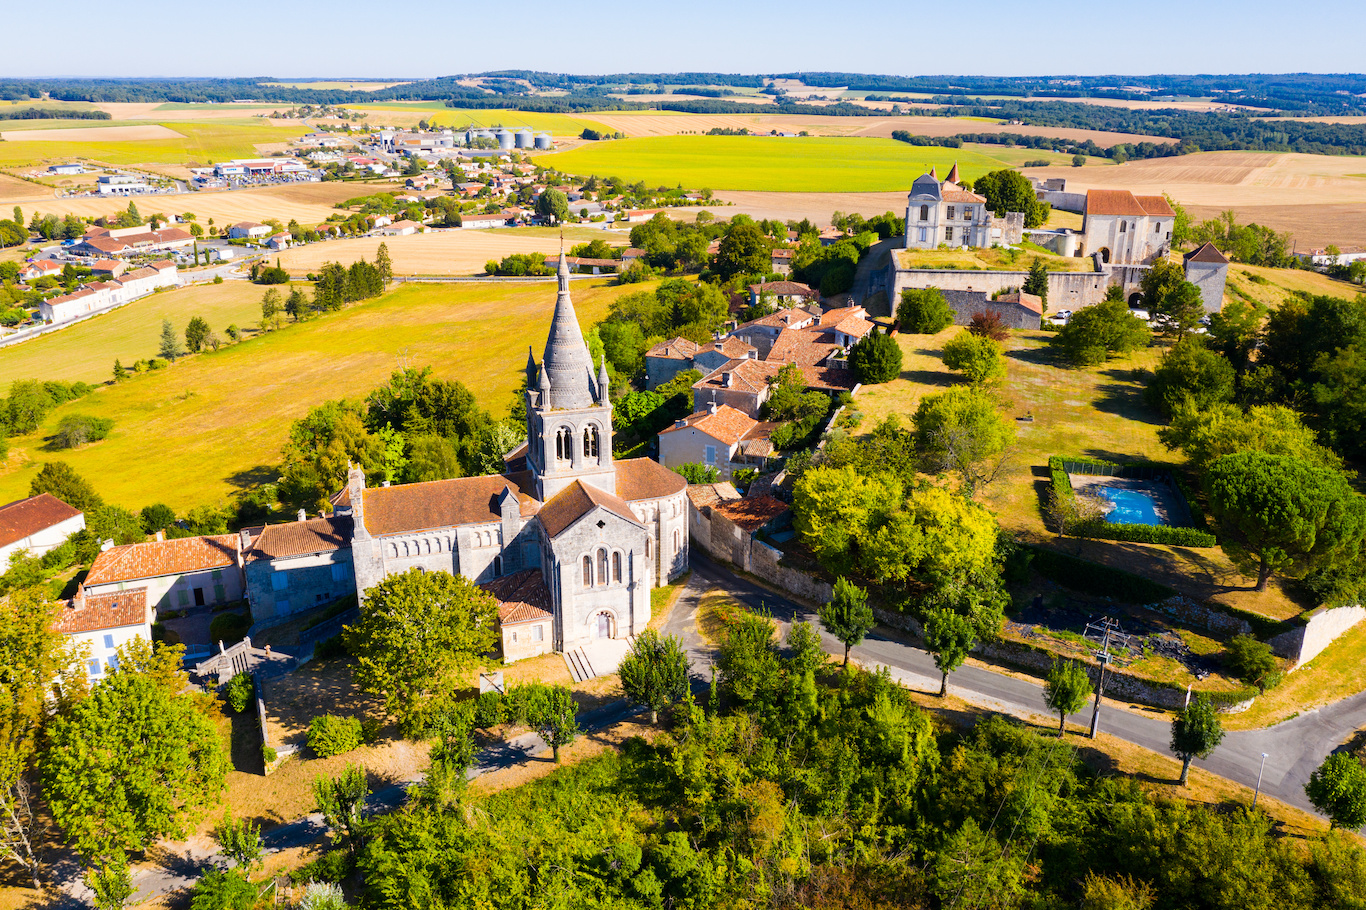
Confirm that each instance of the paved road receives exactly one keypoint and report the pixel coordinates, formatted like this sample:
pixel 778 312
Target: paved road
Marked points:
pixel 1294 748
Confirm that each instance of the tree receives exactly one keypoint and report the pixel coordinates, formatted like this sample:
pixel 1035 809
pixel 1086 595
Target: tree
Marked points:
pixel 978 358
pixel 1037 281
pixel 1204 436
pixel 696 473
pixel 240 841
pixel 950 638
pixel 1196 732
pixel 1079 161
pixel 743 251
pixel 62 481
pixel 120 373
pixel 1284 514
pixel 1190 377
pixel 170 345
pixel 847 616
pixel 988 324
pixel 655 674
pixel 417 631
pixel 129 765
pixel 385 265
pixel 1094 333
pixel 551 711
pixel 341 799
pixel 270 309
pixel 196 332
pixel 1180 310
pixel 1066 688
pixel 1337 788
pixel 552 205
pixel 923 311
pixel 961 430
pixel 111 883
pixel 875 358
pixel 1251 660
pixel 1008 190
pixel 223 890
pixel 296 304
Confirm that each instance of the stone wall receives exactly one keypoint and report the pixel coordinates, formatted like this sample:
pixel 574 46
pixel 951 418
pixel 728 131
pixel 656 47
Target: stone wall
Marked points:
pixel 1210 278
pixel 1064 201
pixel 1119 685
pixel 764 563
pixel 1194 614
pixel 1066 290
pixel 1303 644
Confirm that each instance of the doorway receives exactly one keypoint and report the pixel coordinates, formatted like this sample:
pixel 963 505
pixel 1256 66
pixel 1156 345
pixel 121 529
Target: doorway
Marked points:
pixel 603 628
pixel 199 597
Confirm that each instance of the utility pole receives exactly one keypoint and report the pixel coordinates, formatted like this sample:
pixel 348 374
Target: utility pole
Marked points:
pixel 1104 658
pixel 1109 630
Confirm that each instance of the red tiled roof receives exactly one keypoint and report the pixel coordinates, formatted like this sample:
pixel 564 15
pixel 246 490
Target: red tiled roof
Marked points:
pixel 1030 302
pixel 1113 202
pixel 731 347
pixel 642 478
pixel 679 348
pixel 749 375
pixel 111 610
pixel 855 326
pixel 727 425
pixel 751 514
pixel 804 347
pixel 439 504
pixel 784 289
pixel 959 195
pixel 577 500
pixel 1156 206
pixel 26 517
pixel 522 597
pixel 155 558
pixel 105 244
pixel 300 538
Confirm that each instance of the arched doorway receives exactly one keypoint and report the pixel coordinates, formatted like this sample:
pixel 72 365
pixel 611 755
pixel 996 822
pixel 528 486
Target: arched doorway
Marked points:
pixel 1135 300
pixel 603 625
pixel 1105 254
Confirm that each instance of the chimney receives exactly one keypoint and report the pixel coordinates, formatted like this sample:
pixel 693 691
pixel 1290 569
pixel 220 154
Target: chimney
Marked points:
pixel 106 545
pixel 727 379
pixel 384 483
pixel 303 515
pixel 712 407
pixel 161 535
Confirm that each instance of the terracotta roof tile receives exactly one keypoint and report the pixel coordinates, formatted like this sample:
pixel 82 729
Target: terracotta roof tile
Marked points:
pixel 1031 302
pixel 522 597
pixel 111 610
pixel 804 347
pixel 727 425
pixel 751 514
pixel 26 517
pixel 300 538
pixel 678 348
pixel 730 347
pixel 438 504
pixel 784 289
pixel 1112 202
pixel 641 478
pixel 703 495
pixel 747 375
pixel 577 500
pixel 1156 206
pixel 960 195
pixel 155 558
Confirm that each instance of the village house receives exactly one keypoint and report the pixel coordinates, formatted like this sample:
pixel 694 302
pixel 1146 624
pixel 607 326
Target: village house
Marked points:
pixel 293 567
pixel 248 230
pixel 280 241
pixel 100 624
pixel 102 295
pixel 401 228
pixel 32 271
pixel 1207 269
pixel 781 261
pixel 746 384
pixel 174 574
pixel 36 525
pixel 719 437
pixel 783 294
pixel 762 333
pixel 525 614
pixel 111 267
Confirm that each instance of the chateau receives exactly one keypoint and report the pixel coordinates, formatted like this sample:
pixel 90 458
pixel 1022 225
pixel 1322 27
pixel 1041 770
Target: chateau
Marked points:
pixel 586 535
pixel 942 213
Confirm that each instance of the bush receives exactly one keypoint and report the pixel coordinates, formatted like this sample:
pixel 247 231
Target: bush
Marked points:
pixel 1252 661
pixel 322 896
pixel 489 710
pixel 229 628
pixel 333 866
pixel 875 358
pixel 330 648
pixel 239 692
pixel 76 430
pixel 923 311
pixel 369 730
pixel 268 754
pixel 331 735
pixel 223 890
pixel 977 357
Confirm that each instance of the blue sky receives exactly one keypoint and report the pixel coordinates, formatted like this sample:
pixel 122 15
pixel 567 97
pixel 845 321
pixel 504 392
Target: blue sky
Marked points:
pixel 422 38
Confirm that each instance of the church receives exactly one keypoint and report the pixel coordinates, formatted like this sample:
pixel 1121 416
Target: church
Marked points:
pixel 569 539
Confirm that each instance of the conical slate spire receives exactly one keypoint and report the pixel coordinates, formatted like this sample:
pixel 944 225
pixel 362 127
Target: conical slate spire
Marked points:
pixel 566 361
pixel 953 174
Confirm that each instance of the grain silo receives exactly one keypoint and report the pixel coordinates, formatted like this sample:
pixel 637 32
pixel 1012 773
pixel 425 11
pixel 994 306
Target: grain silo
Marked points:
pixel 524 140
pixel 505 139
pixel 543 141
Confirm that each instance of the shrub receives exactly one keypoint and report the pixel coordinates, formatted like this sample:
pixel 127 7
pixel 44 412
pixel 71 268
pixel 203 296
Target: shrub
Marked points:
pixel 330 647
pixel 875 358
pixel 268 754
pixel 489 710
pixel 223 890
pixel 76 430
pixel 977 357
pixel 1251 661
pixel 229 628
pixel 369 730
pixel 331 735
pixel 923 311
pixel 322 896
pixel 239 692
pixel 988 324
pixel 333 866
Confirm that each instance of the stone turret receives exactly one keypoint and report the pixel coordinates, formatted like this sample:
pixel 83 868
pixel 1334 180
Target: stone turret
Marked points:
pixel 953 174
pixel 602 380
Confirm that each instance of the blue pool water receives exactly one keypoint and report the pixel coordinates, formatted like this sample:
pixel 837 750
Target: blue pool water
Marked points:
pixel 1131 507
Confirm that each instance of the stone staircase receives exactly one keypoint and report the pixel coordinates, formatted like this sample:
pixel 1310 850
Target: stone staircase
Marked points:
pixel 597 659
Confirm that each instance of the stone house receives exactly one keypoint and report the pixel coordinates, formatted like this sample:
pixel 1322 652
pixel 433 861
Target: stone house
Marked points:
pixel 36 525
pixel 525 618
pixel 1207 269
pixel 942 213
pixel 781 261
pixel 761 333
pixel 1126 229
pixel 667 359
pixel 715 353
pixel 103 623
pixel 745 384
pixel 248 230
pixel 294 567
pixel 724 524
pixel 784 294
pixel 719 437
pixel 177 574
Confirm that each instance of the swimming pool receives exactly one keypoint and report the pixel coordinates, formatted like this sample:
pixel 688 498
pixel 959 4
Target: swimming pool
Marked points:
pixel 1131 507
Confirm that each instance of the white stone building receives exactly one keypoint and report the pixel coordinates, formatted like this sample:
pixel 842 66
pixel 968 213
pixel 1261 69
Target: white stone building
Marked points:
pixel 942 213
pixel 36 525
pixel 600 533
pixel 174 574
pixel 103 623
pixel 1126 229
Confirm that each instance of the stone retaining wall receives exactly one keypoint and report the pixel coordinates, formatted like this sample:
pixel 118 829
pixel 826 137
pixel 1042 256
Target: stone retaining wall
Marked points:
pixel 1192 613
pixel 1303 644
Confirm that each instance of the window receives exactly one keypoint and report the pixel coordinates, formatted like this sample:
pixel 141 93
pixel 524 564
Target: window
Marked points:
pixel 199 597
pixel 948 233
pixel 217 574
pixel 112 663
pixel 924 213
pixel 647 548
pixel 1157 227
pixel 279 581
pixel 514 638
pixel 967 213
pixel 1123 227
pixel 952 210
pixel 95 667
pixel 282 607
pixel 711 454
pixel 538 633
pixel 602 566
pixel 109 642
pixel 497 566
pixel 616 567
pixel 675 542
pixel 588 571
pixel 590 442
pixel 923 236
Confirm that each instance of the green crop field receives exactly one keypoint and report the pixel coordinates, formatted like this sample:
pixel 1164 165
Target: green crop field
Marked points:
pixel 794 165
pixel 457 118
pixel 214 422
pixel 214 140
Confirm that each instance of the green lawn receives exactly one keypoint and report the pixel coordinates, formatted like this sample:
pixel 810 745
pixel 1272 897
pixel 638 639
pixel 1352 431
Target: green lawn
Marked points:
pixel 796 164
pixel 196 432
pixel 993 259
pixel 214 140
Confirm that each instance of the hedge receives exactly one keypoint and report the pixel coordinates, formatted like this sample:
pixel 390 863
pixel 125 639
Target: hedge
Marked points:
pixel 1131 533
pixel 1096 579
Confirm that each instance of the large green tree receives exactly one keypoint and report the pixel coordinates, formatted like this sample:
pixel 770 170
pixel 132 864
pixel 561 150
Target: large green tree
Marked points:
pixel 977 357
pixel 1095 333
pixel 552 205
pixel 848 615
pixel 875 358
pixel 1284 515
pixel 196 332
pixel 417 631
pixel 743 251
pixel 1190 377
pixel 1337 788
pixel 1208 434
pixel 131 764
pixel 1196 732
pixel 654 674
pixel 923 311
pixel 170 347
pixel 1066 688
pixel 950 638
pixel 62 481
pixel 962 431
pixel 1007 190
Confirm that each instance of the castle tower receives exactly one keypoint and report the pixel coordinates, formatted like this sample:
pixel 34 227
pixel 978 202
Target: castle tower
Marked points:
pixel 569 419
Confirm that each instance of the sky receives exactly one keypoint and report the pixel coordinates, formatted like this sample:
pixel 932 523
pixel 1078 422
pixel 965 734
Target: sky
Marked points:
pixel 425 38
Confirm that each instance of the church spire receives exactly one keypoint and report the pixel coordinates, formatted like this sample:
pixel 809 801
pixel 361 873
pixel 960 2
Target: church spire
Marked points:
pixel 566 361
pixel 602 380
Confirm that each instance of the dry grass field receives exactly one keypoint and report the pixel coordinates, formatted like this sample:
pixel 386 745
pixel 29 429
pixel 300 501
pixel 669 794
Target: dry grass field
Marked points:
pixel 92 134
pixel 1097 412
pixel 14 191
pixel 198 431
pixel 450 252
